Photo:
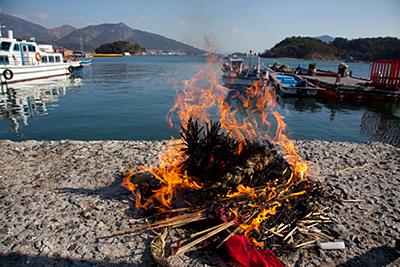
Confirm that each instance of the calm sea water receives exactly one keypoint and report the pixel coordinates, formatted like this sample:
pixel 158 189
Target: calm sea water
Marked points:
pixel 128 98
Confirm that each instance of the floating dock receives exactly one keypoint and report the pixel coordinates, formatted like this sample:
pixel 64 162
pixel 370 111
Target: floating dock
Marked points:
pixel 106 55
pixel 350 88
pixel 383 84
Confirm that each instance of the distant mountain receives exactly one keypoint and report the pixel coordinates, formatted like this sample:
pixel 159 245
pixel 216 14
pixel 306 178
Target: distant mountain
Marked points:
pixel 93 36
pixel 325 38
pixel 25 30
pixel 365 49
pixel 61 31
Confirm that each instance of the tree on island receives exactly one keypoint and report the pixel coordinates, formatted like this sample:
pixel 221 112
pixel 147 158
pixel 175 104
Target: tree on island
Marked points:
pixel 120 47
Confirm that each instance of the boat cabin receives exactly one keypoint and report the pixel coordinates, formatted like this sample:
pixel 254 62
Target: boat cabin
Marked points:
pixel 17 52
pixel 236 64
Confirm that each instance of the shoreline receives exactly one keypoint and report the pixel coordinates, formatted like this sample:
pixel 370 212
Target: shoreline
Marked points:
pixel 59 199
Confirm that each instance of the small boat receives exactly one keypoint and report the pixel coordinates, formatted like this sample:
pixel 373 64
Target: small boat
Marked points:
pixel 22 60
pixel 288 84
pixel 349 59
pixel 85 62
pixel 280 67
pixel 237 76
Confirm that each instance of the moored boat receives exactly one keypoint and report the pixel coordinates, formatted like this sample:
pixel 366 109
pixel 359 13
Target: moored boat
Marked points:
pixel 288 84
pixel 22 60
pixel 237 76
pixel 85 62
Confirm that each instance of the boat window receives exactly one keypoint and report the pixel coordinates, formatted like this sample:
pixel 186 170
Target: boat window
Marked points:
pixel 24 48
pixel 58 59
pixel 31 48
pixel 16 47
pixel 5 46
pixel 51 59
pixel 4 60
pixel 44 59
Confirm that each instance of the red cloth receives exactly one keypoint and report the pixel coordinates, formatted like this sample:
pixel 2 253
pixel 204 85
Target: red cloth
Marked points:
pixel 244 253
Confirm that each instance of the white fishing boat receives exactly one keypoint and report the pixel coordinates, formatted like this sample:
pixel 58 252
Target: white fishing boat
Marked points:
pixel 237 75
pixel 22 60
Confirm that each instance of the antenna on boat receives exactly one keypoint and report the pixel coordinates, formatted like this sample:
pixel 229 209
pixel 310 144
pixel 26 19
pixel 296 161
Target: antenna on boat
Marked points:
pixel 81 43
pixel 1 27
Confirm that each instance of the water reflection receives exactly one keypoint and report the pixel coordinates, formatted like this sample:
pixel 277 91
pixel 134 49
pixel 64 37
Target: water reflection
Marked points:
pixel 303 104
pixel 381 127
pixel 22 101
pixel 378 122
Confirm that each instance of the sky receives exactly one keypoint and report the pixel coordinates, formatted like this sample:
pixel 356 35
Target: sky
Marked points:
pixel 230 25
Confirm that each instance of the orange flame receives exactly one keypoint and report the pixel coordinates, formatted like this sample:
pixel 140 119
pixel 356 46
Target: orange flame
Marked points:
pixel 292 156
pixel 261 216
pixel 242 190
pixel 256 243
pixel 127 183
pixel 169 174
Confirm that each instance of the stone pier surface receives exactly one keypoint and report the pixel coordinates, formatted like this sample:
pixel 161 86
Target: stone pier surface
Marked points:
pixel 60 200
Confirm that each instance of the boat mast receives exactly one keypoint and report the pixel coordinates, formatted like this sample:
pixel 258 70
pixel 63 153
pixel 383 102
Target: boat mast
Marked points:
pixel 1 27
pixel 81 43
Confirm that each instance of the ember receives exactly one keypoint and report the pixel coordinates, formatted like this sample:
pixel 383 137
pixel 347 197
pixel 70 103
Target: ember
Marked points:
pixel 227 169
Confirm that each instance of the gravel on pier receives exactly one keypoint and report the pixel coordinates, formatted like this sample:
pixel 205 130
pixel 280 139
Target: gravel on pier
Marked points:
pixel 59 200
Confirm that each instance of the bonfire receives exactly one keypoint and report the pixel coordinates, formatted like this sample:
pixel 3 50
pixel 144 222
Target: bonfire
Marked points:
pixel 230 178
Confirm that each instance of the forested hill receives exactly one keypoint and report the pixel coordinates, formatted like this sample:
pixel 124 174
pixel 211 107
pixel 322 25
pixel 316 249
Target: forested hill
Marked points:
pixel 364 49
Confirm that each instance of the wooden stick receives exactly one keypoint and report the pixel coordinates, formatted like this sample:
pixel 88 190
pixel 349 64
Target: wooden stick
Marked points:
pixel 184 240
pixel 320 233
pixel 354 167
pixel 290 233
pixel 179 210
pixel 283 228
pixel 305 243
pixel 311 221
pixel 312 225
pixel 165 221
pixel 176 223
pixel 275 233
pixel 236 230
pixel 221 227
pixel 172 225
pixel 204 231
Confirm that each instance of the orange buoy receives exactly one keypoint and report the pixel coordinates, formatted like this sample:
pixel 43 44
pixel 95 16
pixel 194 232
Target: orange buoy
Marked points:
pixel 38 57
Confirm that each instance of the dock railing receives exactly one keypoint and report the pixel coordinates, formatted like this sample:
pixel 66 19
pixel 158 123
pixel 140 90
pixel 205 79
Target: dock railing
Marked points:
pixel 386 73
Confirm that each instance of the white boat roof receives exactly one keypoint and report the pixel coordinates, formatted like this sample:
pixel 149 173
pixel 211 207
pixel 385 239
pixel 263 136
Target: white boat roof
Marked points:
pixel 236 59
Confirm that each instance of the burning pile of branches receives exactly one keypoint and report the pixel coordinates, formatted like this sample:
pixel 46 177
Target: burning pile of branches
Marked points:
pixel 226 177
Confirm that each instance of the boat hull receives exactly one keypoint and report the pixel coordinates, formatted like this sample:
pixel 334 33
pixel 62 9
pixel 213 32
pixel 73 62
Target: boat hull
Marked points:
pixel 33 72
pixel 239 83
pixel 296 91
pixel 293 91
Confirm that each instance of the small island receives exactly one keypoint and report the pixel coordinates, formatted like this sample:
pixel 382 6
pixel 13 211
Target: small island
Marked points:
pixel 120 47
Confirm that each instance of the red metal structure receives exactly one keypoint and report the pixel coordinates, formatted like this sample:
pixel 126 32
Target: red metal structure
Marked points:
pixel 386 73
